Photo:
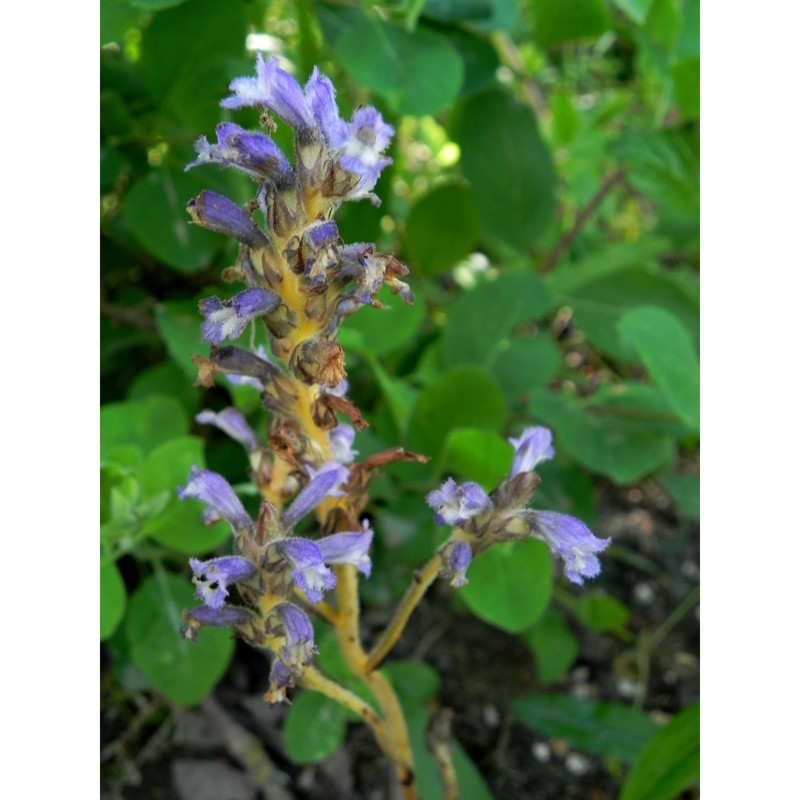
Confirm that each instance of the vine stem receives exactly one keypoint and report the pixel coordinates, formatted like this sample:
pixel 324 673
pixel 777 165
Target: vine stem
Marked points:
pixel 422 580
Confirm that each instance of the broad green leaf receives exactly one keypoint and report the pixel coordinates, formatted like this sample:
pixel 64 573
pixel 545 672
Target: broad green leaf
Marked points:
pixel 179 325
pixel 527 363
pixel 417 682
pixel 166 379
pixel 553 645
pixel 314 728
pixel 480 59
pixel 667 350
pixel 466 397
pixel 602 728
pixel 600 612
pixel 180 527
pixel 112 598
pixel 508 166
pixel 417 73
pixel 670 763
pixel 117 17
pixel 155 5
pixel 169 465
pixel 482 318
pixel 686 79
pixel 155 212
pixel 598 305
pixel 477 455
pixel 685 491
pixel 623 449
pixel 510 584
pixel 441 229
pixel 556 21
pixel 146 423
pixel 185 55
pixel 184 671
pixel 384 329
pixel 458 10
pixel 567 488
pixel 637 10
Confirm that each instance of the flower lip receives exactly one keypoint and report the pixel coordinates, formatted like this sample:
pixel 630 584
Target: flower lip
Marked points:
pixel 454 504
pixel 218 495
pixel 307 565
pixel 348 547
pixel 325 482
pixel 574 542
pixel 212 577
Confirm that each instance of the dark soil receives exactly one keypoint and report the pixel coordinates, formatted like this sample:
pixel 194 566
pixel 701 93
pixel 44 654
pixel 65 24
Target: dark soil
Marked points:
pixel 231 747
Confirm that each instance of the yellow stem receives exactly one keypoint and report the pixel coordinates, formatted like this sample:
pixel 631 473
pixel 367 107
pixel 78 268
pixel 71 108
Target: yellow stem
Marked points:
pixel 422 580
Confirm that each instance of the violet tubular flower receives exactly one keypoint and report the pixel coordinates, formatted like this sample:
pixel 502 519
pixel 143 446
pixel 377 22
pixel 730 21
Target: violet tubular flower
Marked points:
pixel 220 499
pixel 307 565
pixel 325 482
pixel 532 447
pixel 455 503
pixel 227 319
pixel 348 547
pixel 232 422
pixel 574 542
pixel 213 577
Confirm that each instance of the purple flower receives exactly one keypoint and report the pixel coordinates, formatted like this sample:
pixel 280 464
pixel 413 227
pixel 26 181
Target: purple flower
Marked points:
pixel 247 380
pixel 251 152
pixel 307 564
pixel 455 504
pixel 341 440
pixel 361 144
pixel 227 319
pixel 220 499
pixel 348 548
pixel 456 558
pixel 321 96
pixel 280 679
pixel 213 617
pixel 275 89
pixel 298 648
pixel 231 421
pixel 212 577
pixel 217 213
pixel 325 482
pixel 574 542
pixel 533 446
pixel 318 250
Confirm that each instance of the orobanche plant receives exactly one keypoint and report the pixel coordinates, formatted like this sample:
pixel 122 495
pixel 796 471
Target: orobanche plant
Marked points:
pixel 301 282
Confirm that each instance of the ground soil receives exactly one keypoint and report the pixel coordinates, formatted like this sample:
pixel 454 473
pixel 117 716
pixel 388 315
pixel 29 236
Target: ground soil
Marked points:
pixel 231 747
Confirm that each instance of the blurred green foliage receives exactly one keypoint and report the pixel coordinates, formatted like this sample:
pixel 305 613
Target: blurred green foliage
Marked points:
pixel 545 194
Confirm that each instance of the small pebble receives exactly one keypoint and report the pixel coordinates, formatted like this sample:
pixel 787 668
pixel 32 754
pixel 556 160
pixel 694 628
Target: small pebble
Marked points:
pixel 628 688
pixel 541 752
pixel 491 716
pixel 578 764
pixel 644 593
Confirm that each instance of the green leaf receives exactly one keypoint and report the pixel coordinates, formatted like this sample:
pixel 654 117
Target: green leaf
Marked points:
pixel 475 332
pixel 510 584
pixel 599 304
pixel 670 763
pixel 685 491
pixel 382 330
pixel 466 397
pixel 624 450
pixel 180 527
pixel 184 671
pixel 112 598
pixel 477 455
pixel 155 212
pixel 179 325
pixel 553 645
pixel 458 10
pixel 480 59
pixel 599 612
pixel 508 166
pixel 155 5
pixel 441 229
pixel 314 728
pixel 667 350
pixel 526 363
pixel 116 17
pixel 167 379
pixel 170 464
pixel 637 10
pixel 185 55
pixel 556 21
pixel 413 680
pixel 603 728
pixel 686 78
pixel 417 73
pixel 146 423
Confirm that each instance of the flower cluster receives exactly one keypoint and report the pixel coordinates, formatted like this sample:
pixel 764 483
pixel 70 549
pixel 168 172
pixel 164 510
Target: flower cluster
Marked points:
pixel 300 282
pixel 483 518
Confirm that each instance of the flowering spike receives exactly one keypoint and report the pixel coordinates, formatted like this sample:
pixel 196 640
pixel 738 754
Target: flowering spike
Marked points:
pixel 220 499
pixel 212 577
pixel 574 542
pixel 348 548
pixel 325 482
pixel 231 421
pixel 533 446
pixel 217 213
pixel 455 504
